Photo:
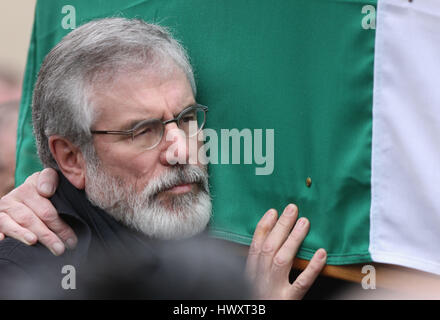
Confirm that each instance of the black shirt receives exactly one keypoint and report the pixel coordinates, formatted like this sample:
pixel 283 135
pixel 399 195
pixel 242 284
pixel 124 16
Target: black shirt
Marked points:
pixel 113 261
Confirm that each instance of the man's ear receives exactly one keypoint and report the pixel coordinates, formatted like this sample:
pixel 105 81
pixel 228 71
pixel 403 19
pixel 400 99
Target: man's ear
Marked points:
pixel 69 159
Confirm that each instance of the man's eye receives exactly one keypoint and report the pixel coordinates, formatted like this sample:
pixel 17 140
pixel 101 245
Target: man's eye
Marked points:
pixel 143 132
pixel 189 118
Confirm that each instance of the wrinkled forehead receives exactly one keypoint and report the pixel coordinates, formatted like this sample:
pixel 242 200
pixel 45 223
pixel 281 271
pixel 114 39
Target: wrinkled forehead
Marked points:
pixel 112 70
pixel 141 93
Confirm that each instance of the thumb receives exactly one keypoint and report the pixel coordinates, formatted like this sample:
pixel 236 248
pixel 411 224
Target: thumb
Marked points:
pixel 47 182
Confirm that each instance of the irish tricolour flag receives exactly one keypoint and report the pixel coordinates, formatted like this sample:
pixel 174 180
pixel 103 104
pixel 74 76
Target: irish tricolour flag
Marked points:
pixel 350 90
pixel 357 143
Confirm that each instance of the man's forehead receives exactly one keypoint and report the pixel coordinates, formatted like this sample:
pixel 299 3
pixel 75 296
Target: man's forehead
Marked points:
pixel 142 96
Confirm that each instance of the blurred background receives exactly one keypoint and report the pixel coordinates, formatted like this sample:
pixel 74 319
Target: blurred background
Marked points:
pixel 16 19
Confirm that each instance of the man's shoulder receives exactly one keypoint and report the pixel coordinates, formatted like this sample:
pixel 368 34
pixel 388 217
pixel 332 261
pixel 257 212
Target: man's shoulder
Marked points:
pixel 8 246
pixel 14 252
pixel 10 264
pixel 28 272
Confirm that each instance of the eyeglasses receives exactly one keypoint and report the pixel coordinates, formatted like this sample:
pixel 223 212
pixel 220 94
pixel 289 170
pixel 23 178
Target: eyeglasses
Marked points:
pixel 148 134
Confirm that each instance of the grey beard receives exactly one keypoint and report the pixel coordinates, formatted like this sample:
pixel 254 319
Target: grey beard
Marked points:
pixel 181 216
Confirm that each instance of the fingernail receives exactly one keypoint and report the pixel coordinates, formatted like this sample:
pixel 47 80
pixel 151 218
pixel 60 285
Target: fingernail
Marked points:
pixel 57 248
pixel 272 213
pixel 302 222
pixel 290 209
pixel 269 214
pixel 71 243
pixel 46 188
pixel 321 254
pixel 29 238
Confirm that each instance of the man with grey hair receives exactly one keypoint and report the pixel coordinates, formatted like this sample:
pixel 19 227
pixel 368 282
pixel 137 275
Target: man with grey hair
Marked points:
pixel 114 112
pixel 95 78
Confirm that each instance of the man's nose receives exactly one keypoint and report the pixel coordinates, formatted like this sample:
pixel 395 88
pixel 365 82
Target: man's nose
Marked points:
pixel 175 149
